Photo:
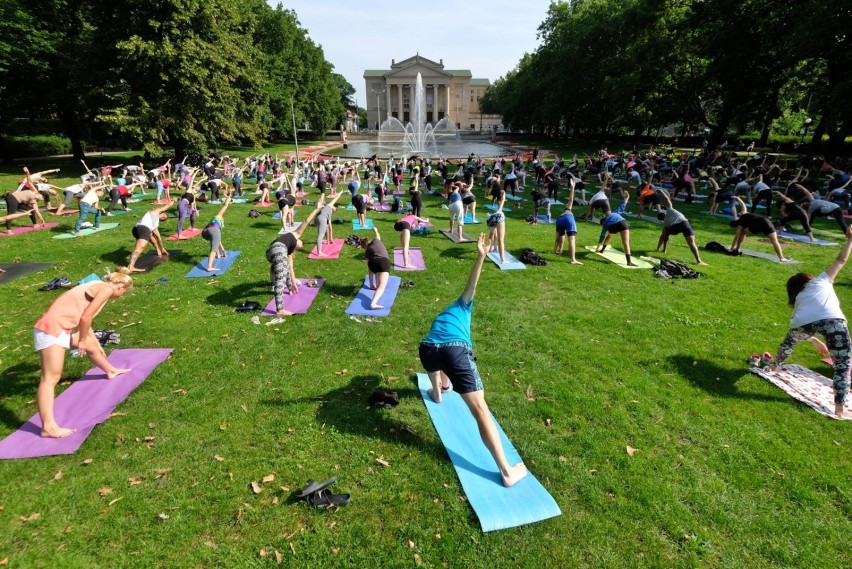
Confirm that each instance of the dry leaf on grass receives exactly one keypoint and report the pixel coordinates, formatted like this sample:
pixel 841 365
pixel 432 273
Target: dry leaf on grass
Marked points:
pixel 4 562
pixel 548 422
pixel 268 478
pixel 111 502
pixel 218 458
pixel 631 451
pixel 244 407
pixel 160 472
pixel 293 549
pixel 255 487
pixel 162 516
pixel 278 557
pixel 263 552
pixel 417 560
pixel 88 461
pixel 529 393
pixel 436 537
pixel 67 529
pixel 381 460
pixel 31 518
pixel 410 544
pixel 224 426
pixel 104 491
pixel 562 458
pixel 58 475
pixel 180 391
pixel 134 481
pixel 335 550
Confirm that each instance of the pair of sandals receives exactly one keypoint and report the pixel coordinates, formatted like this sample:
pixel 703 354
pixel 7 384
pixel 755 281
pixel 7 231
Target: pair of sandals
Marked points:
pixel 248 306
pixel 318 495
pixel 60 282
pixel 407 284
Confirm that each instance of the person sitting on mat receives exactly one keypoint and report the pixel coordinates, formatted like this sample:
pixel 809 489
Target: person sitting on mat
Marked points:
pixel 816 311
pixel 615 223
pixel 496 223
pixel 753 223
pixel 281 257
pixel 674 223
pixel 325 229
pixel 378 263
pixel 791 211
pixel 566 225
pixel 68 324
pixel 23 202
pixel 213 233
pixel 456 210
pixel 404 228
pixel 447 356
pixel 147 229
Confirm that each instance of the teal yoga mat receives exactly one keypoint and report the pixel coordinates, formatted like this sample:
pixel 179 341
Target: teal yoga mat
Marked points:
pixel 87 231
pixel 358 227
pixel 496 506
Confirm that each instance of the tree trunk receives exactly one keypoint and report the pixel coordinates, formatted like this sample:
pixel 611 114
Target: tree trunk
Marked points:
pixel 764 134
pixel 816 139
pixel 72 130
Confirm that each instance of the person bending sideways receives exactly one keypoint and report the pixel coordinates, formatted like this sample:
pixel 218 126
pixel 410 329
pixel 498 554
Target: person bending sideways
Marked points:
pixel 566 225
pixel 674 223
pixel 68 324
pixel 756 224
pixel 378 263
pixel 615 223
pixel 447 355
pixel 816 311
pixel 146 230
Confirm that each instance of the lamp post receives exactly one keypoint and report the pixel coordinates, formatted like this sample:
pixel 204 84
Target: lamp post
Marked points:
pixel 804 129
pixel 378 106
pixel 458 123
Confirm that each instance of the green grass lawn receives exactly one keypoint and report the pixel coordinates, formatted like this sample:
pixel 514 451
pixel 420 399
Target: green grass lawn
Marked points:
pixel 578 362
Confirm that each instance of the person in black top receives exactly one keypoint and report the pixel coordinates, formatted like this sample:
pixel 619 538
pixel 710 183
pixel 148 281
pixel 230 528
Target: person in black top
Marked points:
pixel 791 211
pixel 280 255
pixel 378 263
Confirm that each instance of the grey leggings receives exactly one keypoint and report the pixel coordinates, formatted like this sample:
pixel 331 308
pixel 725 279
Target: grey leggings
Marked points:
pixel 836 334
pixel 213 233
pixel 279 272
pixel 322 227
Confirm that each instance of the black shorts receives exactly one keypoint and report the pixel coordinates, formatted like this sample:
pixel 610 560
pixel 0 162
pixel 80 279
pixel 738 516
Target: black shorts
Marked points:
pixel 401 226
pixel 618 227
pixel 759 224
pixel 455 359
pixel 379 265
pixel 681 227
pixel 321 186
pixel 510 185
pixel 600 204
pixel 652 199
pixel 468 200
pixel 141 232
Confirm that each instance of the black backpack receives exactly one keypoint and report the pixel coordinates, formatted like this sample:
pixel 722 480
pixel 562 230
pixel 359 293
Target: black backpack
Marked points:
pixel 254 214
pixel 530 257
pixel 673 269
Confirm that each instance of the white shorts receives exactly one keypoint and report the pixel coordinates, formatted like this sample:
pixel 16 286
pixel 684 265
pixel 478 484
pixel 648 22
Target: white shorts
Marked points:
pixel 44 340
pixel 457 212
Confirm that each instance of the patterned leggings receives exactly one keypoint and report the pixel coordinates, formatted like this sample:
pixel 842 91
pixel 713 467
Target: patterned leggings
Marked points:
pixel 279 272
pixel 836 335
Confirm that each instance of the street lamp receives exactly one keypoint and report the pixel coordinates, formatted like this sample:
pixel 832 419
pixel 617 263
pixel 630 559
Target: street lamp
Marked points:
pixel 458 123
pixel 804 129
pixel 378 106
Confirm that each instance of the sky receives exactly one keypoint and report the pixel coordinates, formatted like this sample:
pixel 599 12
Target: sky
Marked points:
pixel 488 37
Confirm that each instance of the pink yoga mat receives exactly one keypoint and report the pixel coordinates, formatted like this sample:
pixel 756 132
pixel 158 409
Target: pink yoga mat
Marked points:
pixel 299 302
pixel 301 194
pixel 381 207
pixel 412 221
pixel 19 230
pixel 89 401
pixel 162 202
pixel 415 257
pixel 332 251
pixel 262 204
pixel 185 234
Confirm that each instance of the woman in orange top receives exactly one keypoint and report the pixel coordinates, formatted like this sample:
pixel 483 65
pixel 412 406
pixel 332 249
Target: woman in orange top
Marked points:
pixel 68 324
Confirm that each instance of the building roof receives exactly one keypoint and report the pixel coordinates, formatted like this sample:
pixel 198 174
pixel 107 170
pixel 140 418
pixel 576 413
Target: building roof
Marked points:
pixel 459 72
pixel 376 72
pixel 480 82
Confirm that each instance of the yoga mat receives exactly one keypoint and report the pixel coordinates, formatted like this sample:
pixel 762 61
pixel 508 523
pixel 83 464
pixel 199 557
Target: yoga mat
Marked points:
pixel 513 263
pixel 297 303
pixel 361 304
pixel 87 231
pixel 415 257
pixel 188 233
pixel 17 270
pixel 769 257
pixel 239 200
pixel 358 227
pixel 617 257
pixel 555 202
pixel 722 215
pixel 350 207
pixel 162 202
pixel 277 214
pixel 648 218
pixel 804 239
pixel 491 207
pixel 694 201
pixel 331 251
pixel 262 204
pixel 455 238
pixel 496 506
pixel 301 194
pixel 19 230
pixel 381 207
pixel 809 387
pixel 469 219
pixel 89 401
pixel 200 270
pixel 543 219
pixel 296 225
pixel 68 212
pixel 115 212
pixel 151 260
pixel 514 198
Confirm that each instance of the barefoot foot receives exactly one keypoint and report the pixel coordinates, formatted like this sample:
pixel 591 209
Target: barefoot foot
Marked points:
pixel 116 372
pixel 56 432
pixel 436 397
pixel 515 474
pixel 575 262
pixel 212 269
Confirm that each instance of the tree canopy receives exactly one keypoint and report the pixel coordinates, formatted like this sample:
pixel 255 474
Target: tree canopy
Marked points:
pixel 185 74
pixel 633 66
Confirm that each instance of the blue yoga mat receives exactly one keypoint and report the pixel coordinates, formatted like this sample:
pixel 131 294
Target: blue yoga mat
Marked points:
pixel 496 506
pixel 491 207
pixel 361 305
pixel 200 270
pixel 513 263
pixel 470 220
pixel 542 218
pixel 358 227
pixel 804 239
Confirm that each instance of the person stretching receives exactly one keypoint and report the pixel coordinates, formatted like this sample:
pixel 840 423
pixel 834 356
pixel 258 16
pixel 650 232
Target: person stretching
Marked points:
pixel 378 264
pixel 674 223
pixel 456 211
pixel 566 225
pixel 324 225
pixel 404 226
pixel 753 223
pixel 615 223
pixel 496 223
pixel 68 324
pixel 25 200
pixel 282 268
pixel 791 211
pixel 213 234
pixel 186 209
pixel 447 356
pixel 816 311
pixel 147 229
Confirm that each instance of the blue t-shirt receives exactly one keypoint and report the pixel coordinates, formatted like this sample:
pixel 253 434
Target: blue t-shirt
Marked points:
pixel 566 222
pixel 452 325
pixel 354 186
pixel 455 197
pixel 612 219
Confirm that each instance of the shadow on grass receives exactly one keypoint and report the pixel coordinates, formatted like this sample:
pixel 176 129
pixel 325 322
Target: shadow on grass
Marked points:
pixel 460 251
pixel 345 408
pixel 716 380
pixel 19 379
pixel 257 290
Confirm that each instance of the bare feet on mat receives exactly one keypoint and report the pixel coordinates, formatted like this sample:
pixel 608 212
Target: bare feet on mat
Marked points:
pixel 283 312
pixel 516 473
pixel 838 410
pixel 56 432
pixel 212 269
pixel 376 307
pixel 436 396
pixel 116 372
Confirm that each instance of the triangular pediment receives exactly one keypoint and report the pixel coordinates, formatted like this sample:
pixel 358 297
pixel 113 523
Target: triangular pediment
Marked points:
pixel 411 71
pixel 414 60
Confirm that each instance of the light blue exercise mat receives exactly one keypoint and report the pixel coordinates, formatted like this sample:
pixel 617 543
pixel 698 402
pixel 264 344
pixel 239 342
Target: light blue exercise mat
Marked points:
pixel 200 270
pixel 513 263
pixel 87 231
pixel 492 207
pixel 470 220
pixel 496 506
pixel 358 227
pixel 805 239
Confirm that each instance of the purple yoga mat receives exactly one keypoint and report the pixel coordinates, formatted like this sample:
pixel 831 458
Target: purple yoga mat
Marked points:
pixel 19 230
pixel 415 257
pixel 299 302
pixel 412 220
pixel 88 401
pixel 331 251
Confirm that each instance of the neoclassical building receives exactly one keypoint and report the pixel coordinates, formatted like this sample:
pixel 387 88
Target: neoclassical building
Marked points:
pixel 452 93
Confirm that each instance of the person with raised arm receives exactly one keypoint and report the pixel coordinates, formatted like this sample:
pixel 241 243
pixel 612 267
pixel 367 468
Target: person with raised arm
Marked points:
pixel 24 199
pixel 816 311
pixel 325 229
pixel 213 233
pixel 378 264
pixel 753 223
pixel 674 223
pixel 447 355
pixel 566 225
pixel 146 230
pixel 282 267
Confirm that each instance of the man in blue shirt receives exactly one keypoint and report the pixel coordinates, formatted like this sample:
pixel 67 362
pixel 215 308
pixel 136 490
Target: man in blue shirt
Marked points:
pixel 447 355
